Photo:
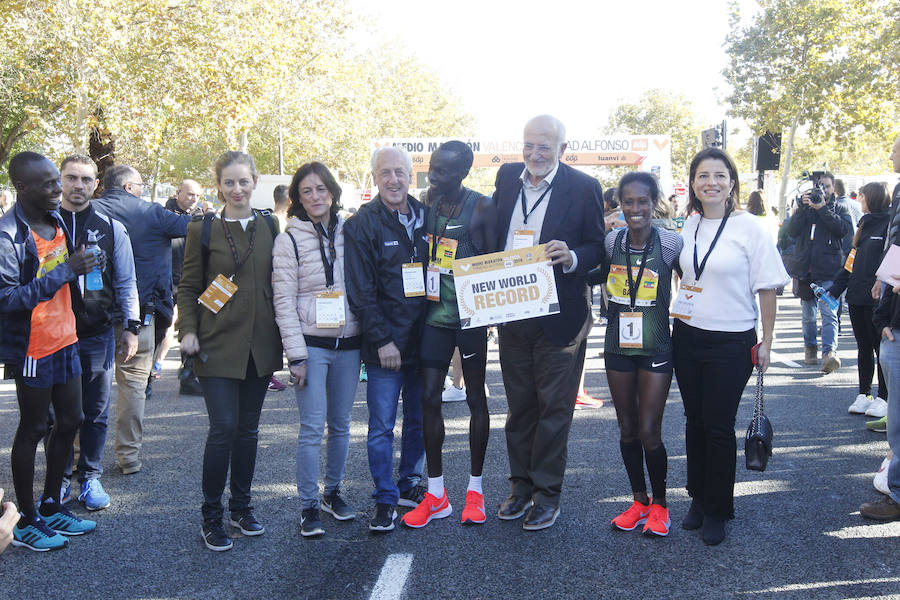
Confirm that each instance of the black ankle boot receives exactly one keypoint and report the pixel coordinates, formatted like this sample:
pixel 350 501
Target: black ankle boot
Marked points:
pixel 713 530
pixel 694 517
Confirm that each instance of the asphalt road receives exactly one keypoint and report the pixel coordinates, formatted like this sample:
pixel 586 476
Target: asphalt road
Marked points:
pixel 798 533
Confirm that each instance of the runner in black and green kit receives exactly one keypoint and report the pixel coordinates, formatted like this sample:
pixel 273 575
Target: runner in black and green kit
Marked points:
pixel 638 348
pixel 460 224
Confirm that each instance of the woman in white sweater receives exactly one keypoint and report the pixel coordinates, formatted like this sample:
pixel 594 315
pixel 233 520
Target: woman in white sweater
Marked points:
pixel 320 337
pixel 727 260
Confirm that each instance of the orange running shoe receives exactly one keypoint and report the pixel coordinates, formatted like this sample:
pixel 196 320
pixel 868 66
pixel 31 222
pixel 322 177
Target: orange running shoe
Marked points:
pixel 428 509
pixel 636 515
pixel 658 522
pixel 473 512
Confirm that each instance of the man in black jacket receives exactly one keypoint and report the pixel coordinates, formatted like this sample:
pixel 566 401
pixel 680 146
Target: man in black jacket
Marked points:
pixel 385 253
pixel 546 202
pixel 819 228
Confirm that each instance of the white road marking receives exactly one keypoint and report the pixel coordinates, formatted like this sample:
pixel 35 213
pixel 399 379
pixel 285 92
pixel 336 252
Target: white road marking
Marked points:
pixel 778 358
pixel 392 578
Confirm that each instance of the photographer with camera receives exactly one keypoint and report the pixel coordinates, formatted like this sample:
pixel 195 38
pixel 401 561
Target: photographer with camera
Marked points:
pixel 819 225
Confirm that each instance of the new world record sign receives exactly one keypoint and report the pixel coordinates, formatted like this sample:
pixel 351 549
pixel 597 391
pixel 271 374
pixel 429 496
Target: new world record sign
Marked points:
pixel 504 286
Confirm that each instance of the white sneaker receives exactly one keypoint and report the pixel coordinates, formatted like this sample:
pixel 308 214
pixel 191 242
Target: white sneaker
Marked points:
pixel 861 404
pixel 454 394
pixel 880 480
pixel 448 382
pixel 877 409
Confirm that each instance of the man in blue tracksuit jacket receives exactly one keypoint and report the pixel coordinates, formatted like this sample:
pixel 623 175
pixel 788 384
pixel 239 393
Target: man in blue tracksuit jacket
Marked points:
pixel 116 303
pixel 151 229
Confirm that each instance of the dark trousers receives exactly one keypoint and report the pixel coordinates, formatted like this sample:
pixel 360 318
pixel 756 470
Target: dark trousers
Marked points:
pixel 234 406
pixel 97 360
pixel 712 369
pixel 541 382
pixel 868 341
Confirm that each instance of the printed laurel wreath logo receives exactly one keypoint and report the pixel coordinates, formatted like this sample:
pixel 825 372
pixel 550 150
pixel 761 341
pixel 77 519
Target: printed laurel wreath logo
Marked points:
pixel 548 286
pixel 462 300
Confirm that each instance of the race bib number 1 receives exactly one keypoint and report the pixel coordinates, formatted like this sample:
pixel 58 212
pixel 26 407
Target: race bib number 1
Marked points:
pixel 631 330
pixel 433 283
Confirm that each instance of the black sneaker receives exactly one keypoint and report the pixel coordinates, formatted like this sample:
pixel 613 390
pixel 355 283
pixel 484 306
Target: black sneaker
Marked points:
pixel 335 506
pixel 190 387
pixel 311 523
pixel 246 522
pixel 412 497
pixel 384 518
pixel 214 536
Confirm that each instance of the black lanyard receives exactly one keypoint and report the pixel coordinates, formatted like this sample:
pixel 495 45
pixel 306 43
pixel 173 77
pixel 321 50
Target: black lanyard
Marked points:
pixel 698 267
pixel 239 261
pixel 634 285
pixel 536 204
pixel 332 253
pixel 437 213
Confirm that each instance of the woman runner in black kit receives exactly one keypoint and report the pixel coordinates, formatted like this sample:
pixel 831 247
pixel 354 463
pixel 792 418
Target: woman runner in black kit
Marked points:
pixel 638 348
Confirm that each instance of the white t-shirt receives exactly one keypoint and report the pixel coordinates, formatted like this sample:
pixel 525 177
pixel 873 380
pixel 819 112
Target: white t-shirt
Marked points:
pixel 744 261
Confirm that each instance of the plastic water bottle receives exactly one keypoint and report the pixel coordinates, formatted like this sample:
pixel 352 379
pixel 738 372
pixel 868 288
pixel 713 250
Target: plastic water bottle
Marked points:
pixel 94 279
pixel 824 296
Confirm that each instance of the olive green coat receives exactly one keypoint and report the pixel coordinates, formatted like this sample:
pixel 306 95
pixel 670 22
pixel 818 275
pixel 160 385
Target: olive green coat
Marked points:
pixel 246 324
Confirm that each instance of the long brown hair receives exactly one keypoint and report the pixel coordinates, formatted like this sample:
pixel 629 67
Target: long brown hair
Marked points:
pixel 732 202
pixel 877 201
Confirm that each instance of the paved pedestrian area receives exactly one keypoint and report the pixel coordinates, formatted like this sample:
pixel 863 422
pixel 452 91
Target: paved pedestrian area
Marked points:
pixel 798 532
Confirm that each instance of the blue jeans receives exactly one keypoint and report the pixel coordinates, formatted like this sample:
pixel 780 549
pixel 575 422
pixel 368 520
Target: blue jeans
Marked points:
pixel 890 364
pixel 382 396
pixel 829 322
pixel 331 380
pixel 97 358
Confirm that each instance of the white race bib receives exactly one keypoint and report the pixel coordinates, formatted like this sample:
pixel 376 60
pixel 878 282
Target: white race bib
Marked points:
pixel 631 330
pixel 330 311
pixel 413 279
pixel 684 304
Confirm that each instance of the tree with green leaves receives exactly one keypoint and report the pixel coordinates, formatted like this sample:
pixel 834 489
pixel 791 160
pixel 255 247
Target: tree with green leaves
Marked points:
pixel 659 112
pixel 829 66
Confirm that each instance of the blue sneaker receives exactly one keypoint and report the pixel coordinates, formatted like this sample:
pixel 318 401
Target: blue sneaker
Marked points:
pixel 37 536
pixel 64 522
pixel 93 495
pixel 65 493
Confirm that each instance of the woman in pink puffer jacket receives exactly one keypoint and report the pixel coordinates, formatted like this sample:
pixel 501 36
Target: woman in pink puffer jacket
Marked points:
pixel 320 337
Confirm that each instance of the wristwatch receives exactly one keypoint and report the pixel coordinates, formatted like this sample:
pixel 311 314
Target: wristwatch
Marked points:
pixel 133 327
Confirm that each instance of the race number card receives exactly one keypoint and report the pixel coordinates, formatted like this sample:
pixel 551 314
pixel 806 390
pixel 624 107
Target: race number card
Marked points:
pixel 413 279
pixel 330 311
pixel 684 303
pixel 631 330
pixel 217 295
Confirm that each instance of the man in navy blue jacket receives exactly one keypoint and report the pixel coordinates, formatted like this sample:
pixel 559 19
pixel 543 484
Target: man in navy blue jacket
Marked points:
pixel 152 229
pixel 546 202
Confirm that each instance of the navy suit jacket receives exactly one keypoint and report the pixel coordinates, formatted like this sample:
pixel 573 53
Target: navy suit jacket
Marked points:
pixel 575 216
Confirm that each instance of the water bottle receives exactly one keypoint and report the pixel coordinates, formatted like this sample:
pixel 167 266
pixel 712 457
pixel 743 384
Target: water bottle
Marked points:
pixel 94 279
pixel 824 296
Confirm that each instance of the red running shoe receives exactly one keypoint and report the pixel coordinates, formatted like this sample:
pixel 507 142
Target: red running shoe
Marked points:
pixel 658 522
pixel 473 512
pixel 636 515
pixel 428 509
pixel 275 385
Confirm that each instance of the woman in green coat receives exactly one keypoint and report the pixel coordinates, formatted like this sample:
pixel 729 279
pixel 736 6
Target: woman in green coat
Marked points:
pixel 227 321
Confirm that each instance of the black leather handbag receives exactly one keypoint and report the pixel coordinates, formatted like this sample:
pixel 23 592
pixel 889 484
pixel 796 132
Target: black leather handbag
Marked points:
pixel 758 442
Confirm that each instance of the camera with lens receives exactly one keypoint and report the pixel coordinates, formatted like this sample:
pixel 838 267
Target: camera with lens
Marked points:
pixel 817 193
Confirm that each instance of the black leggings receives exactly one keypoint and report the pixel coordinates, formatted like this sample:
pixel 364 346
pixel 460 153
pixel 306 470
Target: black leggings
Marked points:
pixel 640 399
pixel 868 341
pixel 34 406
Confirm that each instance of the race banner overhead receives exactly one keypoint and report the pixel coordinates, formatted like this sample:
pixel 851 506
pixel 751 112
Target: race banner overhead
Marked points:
pixel 652 153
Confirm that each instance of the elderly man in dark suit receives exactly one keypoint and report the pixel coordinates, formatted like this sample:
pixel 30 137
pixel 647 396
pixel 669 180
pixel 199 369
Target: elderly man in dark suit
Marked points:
pixel 546 202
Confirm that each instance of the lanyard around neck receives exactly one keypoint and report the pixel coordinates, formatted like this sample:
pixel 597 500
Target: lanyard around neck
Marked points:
pixel 536 204
pixel 698 267
pixel 239 260
pixel 633 286
pixel 327 264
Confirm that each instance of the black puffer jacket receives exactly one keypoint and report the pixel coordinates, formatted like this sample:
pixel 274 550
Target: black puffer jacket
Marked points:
pixel 872 228
pixel 819 252
pixel 376 246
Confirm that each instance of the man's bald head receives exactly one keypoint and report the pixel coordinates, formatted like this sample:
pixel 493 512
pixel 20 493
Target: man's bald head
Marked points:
pixel 189 193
